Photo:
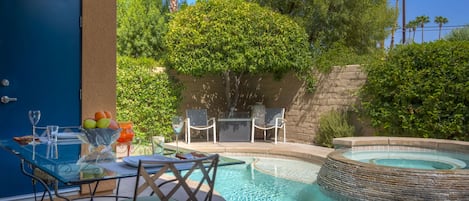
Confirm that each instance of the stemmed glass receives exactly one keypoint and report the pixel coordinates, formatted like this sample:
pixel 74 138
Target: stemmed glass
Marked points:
pixel 34 117
pixel 177 123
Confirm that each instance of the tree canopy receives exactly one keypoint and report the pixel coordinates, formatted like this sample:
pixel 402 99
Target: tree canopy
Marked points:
pixel 356 24
pixel 141 25
pixel 232 38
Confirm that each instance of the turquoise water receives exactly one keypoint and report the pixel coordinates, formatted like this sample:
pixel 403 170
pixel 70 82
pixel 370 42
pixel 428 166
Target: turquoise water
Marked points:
pixel 428 160
pixel 269 179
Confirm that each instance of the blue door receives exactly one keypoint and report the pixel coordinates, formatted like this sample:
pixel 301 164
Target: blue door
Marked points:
pixel 40 69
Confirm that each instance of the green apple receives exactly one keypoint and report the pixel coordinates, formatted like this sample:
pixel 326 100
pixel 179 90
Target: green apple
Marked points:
pixel 89 123
pixel 103 123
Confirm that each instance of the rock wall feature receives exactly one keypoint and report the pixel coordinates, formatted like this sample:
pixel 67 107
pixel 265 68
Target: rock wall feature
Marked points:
pixel 336 90
pixel 347 179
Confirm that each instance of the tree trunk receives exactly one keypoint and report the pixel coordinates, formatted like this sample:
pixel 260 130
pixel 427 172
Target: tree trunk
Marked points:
pixel 410 34
pixel 232 92
pixel 173 6
pixel 439 30
pixel 393 31
pixel 226 74
pixel 422 33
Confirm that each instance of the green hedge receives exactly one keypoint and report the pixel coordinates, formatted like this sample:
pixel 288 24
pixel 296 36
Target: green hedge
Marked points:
pixel 421 90
pixel 146 96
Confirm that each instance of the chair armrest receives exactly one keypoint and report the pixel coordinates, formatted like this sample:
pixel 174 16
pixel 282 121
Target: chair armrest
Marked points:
pixel 211 119
pixel 253 120
pixel 281 121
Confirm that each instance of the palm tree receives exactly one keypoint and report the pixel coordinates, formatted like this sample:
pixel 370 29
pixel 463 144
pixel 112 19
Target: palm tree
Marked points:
pixel 440 20
pixel 422 20
pixel 412 26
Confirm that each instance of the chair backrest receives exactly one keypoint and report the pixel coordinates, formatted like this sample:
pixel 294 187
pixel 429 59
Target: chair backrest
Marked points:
pixel 198 117
pixel 272 113
pixel 185 188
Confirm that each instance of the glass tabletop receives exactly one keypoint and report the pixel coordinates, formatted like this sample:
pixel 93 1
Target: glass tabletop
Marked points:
pixel 70 168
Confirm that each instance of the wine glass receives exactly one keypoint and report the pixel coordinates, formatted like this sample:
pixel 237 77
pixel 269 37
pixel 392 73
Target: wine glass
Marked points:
pixel 177 123
pixel 34 117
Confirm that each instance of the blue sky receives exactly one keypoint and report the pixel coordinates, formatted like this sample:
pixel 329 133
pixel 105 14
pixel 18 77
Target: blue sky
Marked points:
pixel 455 10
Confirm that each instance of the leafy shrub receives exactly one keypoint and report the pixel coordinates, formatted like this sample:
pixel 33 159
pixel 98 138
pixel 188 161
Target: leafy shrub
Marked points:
pixel 146 96
pixel 420 90
pixel 460 34
pixel 333 125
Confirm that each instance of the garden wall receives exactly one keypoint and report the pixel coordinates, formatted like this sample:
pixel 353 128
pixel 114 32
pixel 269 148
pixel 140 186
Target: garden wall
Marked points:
pixel 337 89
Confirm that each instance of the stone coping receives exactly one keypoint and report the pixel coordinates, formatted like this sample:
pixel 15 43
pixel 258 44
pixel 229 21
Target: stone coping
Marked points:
pixel 437 144
pixel 305 152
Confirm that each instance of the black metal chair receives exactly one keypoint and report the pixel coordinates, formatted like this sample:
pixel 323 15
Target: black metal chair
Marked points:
pixel 185 187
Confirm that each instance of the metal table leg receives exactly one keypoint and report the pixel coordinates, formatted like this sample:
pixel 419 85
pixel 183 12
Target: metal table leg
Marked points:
pixel 35 178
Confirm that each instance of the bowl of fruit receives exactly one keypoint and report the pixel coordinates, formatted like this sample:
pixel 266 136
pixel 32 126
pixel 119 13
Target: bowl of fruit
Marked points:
pixel 99 131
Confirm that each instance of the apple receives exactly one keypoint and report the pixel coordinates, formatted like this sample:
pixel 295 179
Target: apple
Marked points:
pixel 113 125
pixel 103 123
pixel 89 123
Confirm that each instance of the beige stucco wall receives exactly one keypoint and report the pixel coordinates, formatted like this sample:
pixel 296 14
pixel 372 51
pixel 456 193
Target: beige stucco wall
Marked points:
pixel 98 62
pixel 98 56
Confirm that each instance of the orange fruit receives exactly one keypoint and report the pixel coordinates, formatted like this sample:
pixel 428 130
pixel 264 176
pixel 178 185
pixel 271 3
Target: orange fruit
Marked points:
pixel 108 114
pixel 99 115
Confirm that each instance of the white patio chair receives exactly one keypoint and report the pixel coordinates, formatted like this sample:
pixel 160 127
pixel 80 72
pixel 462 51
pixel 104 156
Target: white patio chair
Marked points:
pixel 185 188
pixel 197 119
pixel 274 119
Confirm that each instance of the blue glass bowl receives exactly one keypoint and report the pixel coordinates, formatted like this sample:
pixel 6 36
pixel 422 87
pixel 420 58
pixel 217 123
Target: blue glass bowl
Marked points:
pixel 99 136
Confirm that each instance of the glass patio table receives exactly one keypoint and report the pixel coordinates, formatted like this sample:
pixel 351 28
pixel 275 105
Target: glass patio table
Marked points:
pixel 70 169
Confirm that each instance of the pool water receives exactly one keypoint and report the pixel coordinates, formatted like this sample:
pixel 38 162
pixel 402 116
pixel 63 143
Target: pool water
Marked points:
pixel 427 160
pixel 269 179
pixel 413 163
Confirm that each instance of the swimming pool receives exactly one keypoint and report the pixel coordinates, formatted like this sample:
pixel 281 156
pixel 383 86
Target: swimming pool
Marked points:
pixel 269 178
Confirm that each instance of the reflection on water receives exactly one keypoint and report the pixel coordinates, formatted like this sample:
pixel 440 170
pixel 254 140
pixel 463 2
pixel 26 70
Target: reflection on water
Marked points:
pixel 246 182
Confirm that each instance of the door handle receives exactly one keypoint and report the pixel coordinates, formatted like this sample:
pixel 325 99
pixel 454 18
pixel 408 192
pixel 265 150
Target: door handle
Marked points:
pixel 6 99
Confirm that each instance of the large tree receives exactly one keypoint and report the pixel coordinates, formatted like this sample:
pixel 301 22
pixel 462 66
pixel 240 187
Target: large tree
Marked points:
pixel 440 20
pixel 141 25
pixel 233 38
pixel 356 24
pixel 422 20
